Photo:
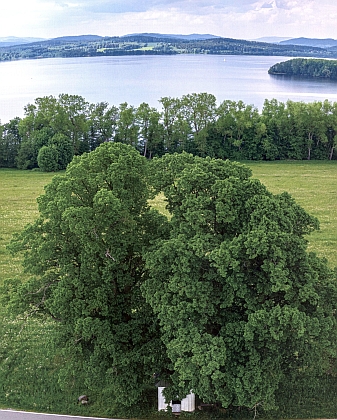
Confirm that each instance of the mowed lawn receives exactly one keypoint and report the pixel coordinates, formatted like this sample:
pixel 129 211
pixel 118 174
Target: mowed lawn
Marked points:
pixel 312 183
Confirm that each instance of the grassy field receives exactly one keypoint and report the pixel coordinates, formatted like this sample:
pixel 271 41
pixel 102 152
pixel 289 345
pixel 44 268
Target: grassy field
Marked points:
pixel 312 183
pixel 18 193
pixel 314 186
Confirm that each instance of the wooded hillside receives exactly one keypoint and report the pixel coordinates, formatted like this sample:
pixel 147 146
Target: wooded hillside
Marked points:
pixel 147 45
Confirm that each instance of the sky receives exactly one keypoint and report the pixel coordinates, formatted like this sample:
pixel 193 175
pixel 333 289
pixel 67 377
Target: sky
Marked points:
pixel 241 19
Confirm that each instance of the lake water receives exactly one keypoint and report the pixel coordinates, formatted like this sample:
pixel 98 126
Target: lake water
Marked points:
pixel 137 79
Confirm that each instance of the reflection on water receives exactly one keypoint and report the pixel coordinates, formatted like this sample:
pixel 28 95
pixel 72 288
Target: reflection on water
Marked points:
pixel 136 79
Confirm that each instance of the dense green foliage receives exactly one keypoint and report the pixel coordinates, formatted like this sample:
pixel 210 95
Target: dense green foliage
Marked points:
pixel 150 45
pixel 305 67
pixel 241 303
pixel 29 363
pixel 68 125
pixel 222 297
pixel 85 253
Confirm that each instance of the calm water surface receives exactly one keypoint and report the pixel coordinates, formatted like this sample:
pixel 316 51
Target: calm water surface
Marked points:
pixel 136 79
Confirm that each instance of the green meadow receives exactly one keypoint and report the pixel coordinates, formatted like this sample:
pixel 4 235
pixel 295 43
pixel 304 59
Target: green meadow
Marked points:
pixel 18 206
pixel 313 184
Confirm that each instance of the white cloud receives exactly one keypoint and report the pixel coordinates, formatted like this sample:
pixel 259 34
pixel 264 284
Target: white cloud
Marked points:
pixel 247 19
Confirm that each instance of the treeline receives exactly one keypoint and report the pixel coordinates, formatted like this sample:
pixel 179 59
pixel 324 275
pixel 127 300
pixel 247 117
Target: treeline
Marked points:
pixel 54 130
pixel 244 47
pixel 147 44
pixel 71 48
pixel 305 67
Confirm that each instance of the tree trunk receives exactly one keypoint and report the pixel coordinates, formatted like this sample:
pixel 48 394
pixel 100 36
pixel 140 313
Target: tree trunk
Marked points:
pixel 145 148
pixel 331 152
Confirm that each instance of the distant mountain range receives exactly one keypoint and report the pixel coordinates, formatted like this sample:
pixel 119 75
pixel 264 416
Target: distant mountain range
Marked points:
pixel 75 38
pixel 307 42
pixel 15 48
pixel 311 42
pixel 271 39
pixel 191 37
pixel 14 40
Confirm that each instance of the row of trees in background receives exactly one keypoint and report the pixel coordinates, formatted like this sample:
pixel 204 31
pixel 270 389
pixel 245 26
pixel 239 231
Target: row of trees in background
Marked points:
pixel 54 130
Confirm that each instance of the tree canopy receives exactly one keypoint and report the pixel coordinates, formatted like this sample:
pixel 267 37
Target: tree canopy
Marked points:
pixel 241 302
pixel 85 255
pixel 222 298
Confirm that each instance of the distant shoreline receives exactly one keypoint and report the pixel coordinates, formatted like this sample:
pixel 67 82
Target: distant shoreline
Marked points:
pixel 67 47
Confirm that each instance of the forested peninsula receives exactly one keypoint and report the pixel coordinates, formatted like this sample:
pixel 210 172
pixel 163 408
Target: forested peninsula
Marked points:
pixel 55 129
pixel 306 67
pixel 147 44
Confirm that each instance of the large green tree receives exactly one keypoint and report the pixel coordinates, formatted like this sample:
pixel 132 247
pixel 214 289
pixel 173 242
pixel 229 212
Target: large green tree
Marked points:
pixel 85 257
pixel 242 129
pixel 241 303
pixel 150 136
pixel 67 115
pixel 47 158
pixel 102 124
pixel 199 111
pixel 177 132
pixel 222 299
pixel 10 141
pixel 127 128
